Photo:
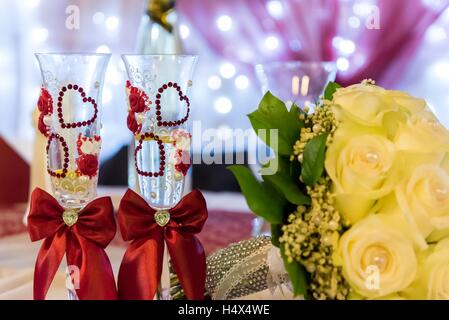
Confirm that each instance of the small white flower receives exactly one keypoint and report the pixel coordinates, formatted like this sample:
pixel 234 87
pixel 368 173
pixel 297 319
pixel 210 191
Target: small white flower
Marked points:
pixel 140 118
pixel 90 147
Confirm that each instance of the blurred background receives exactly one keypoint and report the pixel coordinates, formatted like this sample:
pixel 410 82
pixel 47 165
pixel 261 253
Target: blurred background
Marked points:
pixel 409 51
pixel 401 44
pixel 290 47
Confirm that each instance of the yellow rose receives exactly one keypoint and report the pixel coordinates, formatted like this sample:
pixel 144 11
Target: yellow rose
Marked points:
pixel 377 259
pixel 360 168
pixel 422 133
pixel 407 162
pixel 393 296
pixel 364 103
pixel 424 199
pixel 432 281
pixel 445 162
pixel 407 102
pixel 438 235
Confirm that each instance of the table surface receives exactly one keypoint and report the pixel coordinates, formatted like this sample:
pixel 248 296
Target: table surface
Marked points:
pixel 229 221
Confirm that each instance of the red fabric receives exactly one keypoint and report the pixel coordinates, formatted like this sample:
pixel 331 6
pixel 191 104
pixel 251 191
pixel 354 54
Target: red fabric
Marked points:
pixel 83 243
pixel 11 220
pixel 141 268
pixel 14 176
pixel 225 227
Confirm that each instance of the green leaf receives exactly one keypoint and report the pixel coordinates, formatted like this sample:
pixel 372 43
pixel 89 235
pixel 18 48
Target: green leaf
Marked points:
pixel 276 233
pixel 287 186
pixel 283 164
pixel 273 114
pixel 294 169
pixel 294 111
pixel 297 275
pixel 330 90
pixel 262 199
pixel 313 159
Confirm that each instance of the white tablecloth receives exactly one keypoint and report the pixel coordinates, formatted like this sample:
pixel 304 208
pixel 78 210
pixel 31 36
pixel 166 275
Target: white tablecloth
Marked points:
pixel 18 254
pixel 17 257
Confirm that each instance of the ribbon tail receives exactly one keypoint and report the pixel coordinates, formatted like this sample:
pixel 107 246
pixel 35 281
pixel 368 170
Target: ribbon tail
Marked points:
pixel 141 268
pixel 189 262
pixel 47 263
pixel 91 271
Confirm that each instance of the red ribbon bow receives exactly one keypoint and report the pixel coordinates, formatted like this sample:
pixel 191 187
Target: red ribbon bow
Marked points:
pixel 83 243
pixel 141 268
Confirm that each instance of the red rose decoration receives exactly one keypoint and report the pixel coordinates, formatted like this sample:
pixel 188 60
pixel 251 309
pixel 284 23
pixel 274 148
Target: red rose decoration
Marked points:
pixel 44 102
pixel 136 102
pixel 41 125
pixel 132 123
pixel 182 161
pixel 87 164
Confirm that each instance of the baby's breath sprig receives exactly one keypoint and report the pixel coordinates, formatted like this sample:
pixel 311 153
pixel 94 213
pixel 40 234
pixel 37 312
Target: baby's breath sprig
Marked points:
pixel 322 120
pixel 310 238
pixel 312 232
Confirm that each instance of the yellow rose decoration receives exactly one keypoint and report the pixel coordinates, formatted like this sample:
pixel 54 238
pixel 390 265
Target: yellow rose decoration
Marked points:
pixel 433 274
pixel 445 162
pixel 377 259
pixel 422 133
pixel 424 199
pixel 364 104
pixel 377 224
pixel 360 168
pixel 406 102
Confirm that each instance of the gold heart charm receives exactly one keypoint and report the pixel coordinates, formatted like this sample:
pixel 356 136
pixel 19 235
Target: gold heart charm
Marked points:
pixel 162 217
pixel 70 217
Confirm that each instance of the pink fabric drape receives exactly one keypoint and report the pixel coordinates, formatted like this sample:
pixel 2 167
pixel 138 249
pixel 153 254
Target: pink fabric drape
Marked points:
pixel 387 51
pixel 313 24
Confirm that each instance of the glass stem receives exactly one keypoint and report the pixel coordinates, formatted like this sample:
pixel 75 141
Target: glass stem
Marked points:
pixel 165 277
pixel 71 294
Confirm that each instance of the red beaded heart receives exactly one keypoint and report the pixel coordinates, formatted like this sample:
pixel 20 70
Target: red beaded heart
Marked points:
pixel 61 140
pixel 182 97
pixel 161 155
pixel 78 124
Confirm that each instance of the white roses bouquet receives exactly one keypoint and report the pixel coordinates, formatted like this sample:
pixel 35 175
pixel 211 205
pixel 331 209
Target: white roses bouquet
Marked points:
pixel 359 205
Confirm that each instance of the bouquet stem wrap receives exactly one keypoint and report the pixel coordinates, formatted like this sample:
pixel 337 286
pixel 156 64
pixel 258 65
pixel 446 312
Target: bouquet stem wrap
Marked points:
pixel 141 268
pixel 81 237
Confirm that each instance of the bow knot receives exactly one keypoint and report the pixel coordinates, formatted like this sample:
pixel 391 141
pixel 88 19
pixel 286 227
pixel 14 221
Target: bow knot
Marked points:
pixel 81 235
pixel 141 268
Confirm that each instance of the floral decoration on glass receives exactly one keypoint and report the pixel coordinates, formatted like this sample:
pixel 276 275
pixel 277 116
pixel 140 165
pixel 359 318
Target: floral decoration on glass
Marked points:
pixel 88 150
pixel 158 116
pixel 69 118
pixel 181 156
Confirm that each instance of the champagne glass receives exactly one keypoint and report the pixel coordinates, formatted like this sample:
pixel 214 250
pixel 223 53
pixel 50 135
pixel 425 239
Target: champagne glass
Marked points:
pixel 159 116
pixel 70 110
pixel 296 81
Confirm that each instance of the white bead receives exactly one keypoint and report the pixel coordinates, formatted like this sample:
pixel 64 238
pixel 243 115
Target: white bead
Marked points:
pixel 47 120
pixel 440 193
pixel 372 157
